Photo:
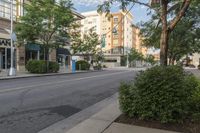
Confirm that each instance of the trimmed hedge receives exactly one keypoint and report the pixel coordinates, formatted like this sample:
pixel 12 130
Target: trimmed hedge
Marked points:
pixel 166 94
pixel 82 65
pixel 40 66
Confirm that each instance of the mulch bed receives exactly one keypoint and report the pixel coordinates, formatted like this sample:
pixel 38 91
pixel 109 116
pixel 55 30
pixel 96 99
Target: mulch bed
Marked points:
pixel 186 127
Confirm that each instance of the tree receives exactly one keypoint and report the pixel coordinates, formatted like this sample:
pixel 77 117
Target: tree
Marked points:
pixel 88 45
pixel 45 22
pixel 183 40
pixel 169 13
pixel 150 59
pixel 135 56
pixel 98 58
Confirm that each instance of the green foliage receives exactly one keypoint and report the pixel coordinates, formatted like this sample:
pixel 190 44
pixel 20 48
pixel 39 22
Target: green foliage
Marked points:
pixel 41 66
pixel 82 65
pixel 88 45
pixel 134 55
pixel 98 58
pixel 53 67
pixel 150 59
pixel 195 105
pixel 166 94
pixel 45 22
pixel 183 40
pixel 35 66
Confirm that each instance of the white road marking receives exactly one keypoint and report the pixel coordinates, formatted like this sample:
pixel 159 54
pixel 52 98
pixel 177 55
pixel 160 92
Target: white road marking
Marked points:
pixel 77 79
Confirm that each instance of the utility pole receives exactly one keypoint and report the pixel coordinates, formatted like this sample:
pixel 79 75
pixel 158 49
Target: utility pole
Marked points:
pixel 12 69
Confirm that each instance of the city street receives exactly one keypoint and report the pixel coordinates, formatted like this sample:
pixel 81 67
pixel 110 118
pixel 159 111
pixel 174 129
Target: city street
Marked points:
pixel 29 105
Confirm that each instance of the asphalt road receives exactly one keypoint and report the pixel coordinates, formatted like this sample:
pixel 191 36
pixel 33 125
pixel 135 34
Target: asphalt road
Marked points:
pixel 29 105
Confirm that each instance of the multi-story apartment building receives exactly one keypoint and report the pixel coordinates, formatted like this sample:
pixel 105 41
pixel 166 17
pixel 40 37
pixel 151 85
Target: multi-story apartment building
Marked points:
pixel 137 41
pixel 115 30
pixel 92 20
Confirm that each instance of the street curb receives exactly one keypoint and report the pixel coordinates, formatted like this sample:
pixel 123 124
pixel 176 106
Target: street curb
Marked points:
pixel 91 113
pixel 100 121
pixel 45 75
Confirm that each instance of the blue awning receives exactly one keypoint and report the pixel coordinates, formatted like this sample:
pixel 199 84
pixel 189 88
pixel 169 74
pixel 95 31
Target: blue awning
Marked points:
pixel 33 47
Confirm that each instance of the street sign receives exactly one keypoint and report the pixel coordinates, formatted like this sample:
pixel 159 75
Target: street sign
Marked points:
pixel 14 37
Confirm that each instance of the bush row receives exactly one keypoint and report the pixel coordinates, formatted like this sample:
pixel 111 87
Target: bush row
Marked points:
pixel 82 65
pixel 41 66
pixel 166 94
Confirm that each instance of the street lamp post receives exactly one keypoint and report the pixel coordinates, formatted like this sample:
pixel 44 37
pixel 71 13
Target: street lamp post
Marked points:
pixel 12 69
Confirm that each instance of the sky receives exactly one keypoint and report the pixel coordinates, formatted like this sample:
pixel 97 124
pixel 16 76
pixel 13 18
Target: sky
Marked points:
pixel 139 12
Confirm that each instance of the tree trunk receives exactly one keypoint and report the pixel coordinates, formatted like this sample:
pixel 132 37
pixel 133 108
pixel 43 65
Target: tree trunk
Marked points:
pixel 164 47
pixel 164 35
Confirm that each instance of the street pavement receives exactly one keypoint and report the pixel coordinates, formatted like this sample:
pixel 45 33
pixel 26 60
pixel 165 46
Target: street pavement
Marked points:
pixel 29 105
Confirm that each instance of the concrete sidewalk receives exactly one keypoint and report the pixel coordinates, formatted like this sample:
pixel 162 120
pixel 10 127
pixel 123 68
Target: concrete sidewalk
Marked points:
pixel 102 122
pixel 98 122
pixel 4 75
pixel 124 128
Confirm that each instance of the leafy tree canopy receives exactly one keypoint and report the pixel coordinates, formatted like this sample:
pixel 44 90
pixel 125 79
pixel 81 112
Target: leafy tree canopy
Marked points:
pixel 45 22
pixel 184 39
pixel 87 45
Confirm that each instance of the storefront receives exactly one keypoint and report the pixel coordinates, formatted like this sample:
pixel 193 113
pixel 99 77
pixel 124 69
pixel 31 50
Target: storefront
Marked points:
pixel 5 51
pixel 64 59
pixel 32 52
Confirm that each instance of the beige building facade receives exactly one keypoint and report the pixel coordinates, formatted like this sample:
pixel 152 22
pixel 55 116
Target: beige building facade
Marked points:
pixel 116 30
pixel 92 20
pixel 137 41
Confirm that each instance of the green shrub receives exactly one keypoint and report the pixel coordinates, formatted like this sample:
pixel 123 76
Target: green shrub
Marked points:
pixel 40 66
pixel 195 104
pixel 166 94
pixel 82 65
pixel 36 66
pixel 53 67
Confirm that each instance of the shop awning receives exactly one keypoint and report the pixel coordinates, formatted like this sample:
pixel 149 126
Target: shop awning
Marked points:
pixel 62 51
pixel 33 47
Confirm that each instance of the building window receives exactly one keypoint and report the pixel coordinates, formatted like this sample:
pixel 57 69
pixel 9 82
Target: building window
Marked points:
pixel 115 19
pixel 115 42
pixel 5 9
pixel 115 36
